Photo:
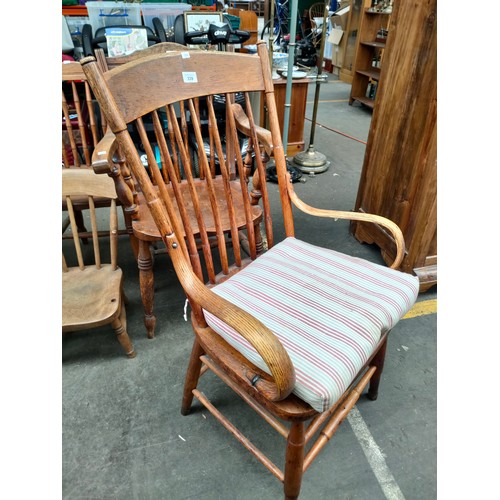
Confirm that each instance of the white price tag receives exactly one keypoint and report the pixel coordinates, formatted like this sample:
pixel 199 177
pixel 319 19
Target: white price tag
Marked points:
pixel 189 77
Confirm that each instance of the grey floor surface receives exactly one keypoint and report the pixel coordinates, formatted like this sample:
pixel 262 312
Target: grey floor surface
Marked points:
pixel 123 434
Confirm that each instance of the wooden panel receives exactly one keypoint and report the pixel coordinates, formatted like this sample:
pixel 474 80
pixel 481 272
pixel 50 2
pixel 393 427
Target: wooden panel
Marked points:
pixel 248 22
pixel 398 179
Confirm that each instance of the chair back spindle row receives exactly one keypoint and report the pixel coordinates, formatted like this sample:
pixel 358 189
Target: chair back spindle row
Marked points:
pixel 195 162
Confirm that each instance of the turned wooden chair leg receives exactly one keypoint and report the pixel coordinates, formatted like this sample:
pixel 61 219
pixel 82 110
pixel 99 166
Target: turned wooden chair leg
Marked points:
pixel 146 280
pixel 248 161
pixel 378 361
pixel 134 242
pixel 192 377
pixel 255 193
pixel 119 325
pixel 294 460
pixel 259 242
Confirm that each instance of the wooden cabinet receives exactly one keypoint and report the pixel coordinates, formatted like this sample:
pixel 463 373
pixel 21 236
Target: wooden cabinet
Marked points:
pixel 350 36
pixel 398 180
pixel 372 38
pixel 297 112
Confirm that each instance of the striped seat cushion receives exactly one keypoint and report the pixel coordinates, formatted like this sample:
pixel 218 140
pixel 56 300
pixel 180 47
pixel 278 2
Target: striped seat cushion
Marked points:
pixel 327 309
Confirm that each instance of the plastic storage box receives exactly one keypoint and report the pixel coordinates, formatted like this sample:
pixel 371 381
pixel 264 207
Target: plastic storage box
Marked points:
pixel 166 12
pixel 102 14
pixel 75 25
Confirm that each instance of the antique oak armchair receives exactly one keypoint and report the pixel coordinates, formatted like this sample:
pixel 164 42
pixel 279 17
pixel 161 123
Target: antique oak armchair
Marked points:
pixel 296 330
pixel 92 286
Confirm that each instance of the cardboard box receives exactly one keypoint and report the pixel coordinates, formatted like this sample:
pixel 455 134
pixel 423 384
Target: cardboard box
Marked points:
pixel 339 19
pixel 337 36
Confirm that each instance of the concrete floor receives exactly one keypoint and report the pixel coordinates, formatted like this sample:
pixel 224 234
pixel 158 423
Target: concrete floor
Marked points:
pixel 124 436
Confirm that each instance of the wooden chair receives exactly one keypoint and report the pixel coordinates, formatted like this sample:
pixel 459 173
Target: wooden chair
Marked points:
pixel 142 226
pixel 297 331
pixel 82 129
pixel 316 16
pixel 92 295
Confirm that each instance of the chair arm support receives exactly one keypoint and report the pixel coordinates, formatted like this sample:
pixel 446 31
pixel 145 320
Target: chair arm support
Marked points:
pixel 104 153
pixel 336 214
pixel 243 125
pixel 258 335
pixel 106 159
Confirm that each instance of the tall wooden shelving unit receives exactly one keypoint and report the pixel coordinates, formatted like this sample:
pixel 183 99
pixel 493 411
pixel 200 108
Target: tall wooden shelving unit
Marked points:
pixel 399 176
pixel 369 54
pixel 350 38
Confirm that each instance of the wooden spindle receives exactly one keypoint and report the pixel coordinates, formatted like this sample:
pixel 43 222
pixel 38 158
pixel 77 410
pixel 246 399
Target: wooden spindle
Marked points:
pixel 227 191
pixel 81 125
pixel 95 236
pixel 262 175
pixel 176 188
pixel 210 188
pixel 113 235
pixel 74 231
pixel 233 132
pixel 205 243
pixel 92 115
pixel 70 132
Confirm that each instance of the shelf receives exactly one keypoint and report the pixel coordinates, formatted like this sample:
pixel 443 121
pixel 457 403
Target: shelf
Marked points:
pixel 365 100
pixel 376 45
pixel 370 50
pixel 373 73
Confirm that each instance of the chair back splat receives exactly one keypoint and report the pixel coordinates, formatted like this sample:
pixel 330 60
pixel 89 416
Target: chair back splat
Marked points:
pixel 298 331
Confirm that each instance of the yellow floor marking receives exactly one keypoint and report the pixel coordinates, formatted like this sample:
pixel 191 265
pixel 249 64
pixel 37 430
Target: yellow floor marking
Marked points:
pixel 421 308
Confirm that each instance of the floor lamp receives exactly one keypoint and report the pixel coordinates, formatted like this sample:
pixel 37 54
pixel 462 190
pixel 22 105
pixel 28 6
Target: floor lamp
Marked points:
pixel 312 161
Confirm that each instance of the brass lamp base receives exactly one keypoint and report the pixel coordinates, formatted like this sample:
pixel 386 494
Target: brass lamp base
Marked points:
pixel 311 161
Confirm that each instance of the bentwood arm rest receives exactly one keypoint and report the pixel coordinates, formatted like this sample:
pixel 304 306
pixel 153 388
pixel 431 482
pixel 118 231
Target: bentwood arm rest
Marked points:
pixel 336 214
pixel 104 153
pixel 258 335
pixel 243 125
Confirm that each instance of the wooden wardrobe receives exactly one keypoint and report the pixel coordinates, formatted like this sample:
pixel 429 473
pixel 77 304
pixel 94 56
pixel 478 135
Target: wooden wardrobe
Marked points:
pixel 399 175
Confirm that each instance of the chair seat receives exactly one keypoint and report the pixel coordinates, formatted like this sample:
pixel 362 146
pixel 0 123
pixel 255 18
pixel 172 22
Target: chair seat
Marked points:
pixel 145 226
pixel 98 289
pixel 328 310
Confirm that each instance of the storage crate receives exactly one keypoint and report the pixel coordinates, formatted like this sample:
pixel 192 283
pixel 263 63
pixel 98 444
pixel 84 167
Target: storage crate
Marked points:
pixel 166 12
pixel 203 5
pixel 102 14
pixel 75 25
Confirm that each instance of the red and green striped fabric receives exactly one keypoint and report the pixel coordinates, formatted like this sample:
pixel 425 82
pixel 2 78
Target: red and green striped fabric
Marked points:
pixel 327 309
